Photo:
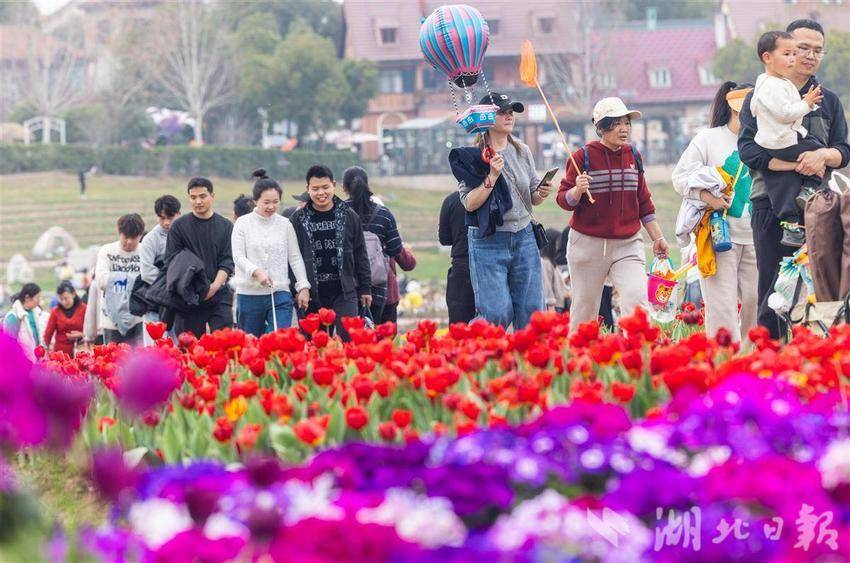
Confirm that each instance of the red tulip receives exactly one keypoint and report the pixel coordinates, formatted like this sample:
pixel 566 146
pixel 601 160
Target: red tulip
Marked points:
pixel 387 430
pixel 321 339
pixel 223 429
pixel 327 316
pixel 257 366
pixel 187 340
pixel 104 423
pixel 151 418
pixel 309 432
pixel 155 330
pixel 356 417
pixel 310 323
pixel 323 375
pixel 623 392
pixel 248 436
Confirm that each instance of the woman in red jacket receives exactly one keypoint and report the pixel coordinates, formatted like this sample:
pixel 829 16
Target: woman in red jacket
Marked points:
pixel 605 240
pixel 66 320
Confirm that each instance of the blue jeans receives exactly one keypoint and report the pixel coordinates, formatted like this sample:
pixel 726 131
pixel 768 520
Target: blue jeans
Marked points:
pixel 254 312
pixel 506 276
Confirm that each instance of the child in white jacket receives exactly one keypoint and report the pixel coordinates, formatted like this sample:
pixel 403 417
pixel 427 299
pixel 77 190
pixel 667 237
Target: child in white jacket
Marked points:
pixel 779 109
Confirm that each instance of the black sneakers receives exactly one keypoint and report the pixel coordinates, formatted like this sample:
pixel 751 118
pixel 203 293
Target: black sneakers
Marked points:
pixel 793 235
pixel 806 192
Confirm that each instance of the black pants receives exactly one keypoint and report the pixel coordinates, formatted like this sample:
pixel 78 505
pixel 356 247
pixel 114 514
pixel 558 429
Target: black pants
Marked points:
pixel 341 306
pixel 767 235
pixel 460 297
pixel 133 337
pixel 216 315
pixel 390 314
pixel 379 299
pixel 606 307
pixel 784 187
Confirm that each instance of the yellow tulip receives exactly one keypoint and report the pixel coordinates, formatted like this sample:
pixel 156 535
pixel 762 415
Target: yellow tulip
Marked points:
pixel 235 408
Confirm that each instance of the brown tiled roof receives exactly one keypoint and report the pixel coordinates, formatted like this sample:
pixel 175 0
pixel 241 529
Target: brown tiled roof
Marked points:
pixel 634 52
pixel 749 18
pixel 516 23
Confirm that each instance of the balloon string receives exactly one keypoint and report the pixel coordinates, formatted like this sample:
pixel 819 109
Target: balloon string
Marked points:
pixel 563 137
pixel 487 87
pixel 454 98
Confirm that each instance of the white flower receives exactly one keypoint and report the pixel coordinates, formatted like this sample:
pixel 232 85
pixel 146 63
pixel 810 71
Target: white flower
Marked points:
pixel 428 521
pixel 702 463
pixel 158 520
pixel 551 521
pixel 835 464
pixel 220 526
pixel 316 501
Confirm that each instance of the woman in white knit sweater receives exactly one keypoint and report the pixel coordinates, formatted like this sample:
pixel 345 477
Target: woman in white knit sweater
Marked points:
pixel 736 275
pixel 264 249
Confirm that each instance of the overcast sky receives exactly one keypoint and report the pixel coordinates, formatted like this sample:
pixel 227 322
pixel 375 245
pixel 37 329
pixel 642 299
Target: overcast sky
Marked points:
pixel 49 6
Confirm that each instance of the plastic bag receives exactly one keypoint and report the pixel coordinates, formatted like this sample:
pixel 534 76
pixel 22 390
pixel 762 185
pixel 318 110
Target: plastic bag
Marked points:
pixel 793 273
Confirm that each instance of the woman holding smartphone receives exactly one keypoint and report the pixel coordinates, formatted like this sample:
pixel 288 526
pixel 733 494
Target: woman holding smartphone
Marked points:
pixel 498 196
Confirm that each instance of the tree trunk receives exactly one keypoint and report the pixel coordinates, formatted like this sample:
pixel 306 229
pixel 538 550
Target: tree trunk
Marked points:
pixel 199 128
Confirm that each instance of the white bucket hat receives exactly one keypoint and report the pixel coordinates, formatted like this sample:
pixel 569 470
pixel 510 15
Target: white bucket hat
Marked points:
pixel 612 107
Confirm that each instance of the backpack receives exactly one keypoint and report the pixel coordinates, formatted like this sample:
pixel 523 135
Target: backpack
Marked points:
pixel 379 264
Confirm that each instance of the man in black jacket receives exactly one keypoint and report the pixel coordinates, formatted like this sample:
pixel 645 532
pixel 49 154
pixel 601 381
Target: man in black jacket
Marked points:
pixel 207 235
pixel 828 125
pixel 330 237
pixel 460 297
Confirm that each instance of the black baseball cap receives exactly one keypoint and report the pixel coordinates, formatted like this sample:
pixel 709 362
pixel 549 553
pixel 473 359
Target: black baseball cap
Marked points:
pixel 303 197
pixel 503 102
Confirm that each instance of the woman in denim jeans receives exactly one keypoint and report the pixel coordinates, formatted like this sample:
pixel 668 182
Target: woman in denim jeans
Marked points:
pixel 503 256
pixel 264 249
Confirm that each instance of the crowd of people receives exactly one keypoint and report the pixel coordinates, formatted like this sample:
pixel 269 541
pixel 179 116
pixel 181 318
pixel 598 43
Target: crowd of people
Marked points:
pixel 768 150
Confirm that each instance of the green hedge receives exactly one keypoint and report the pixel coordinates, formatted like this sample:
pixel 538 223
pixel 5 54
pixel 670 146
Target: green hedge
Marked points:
pixel 227 162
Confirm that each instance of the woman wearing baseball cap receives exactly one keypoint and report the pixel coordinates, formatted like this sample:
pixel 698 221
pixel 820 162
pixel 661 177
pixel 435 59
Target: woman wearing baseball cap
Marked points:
pixel 735 274
pixel 605 240
pixel 498 196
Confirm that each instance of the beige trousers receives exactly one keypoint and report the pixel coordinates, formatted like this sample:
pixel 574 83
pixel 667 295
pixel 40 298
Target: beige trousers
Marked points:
pixel 736 280
pixel 591 260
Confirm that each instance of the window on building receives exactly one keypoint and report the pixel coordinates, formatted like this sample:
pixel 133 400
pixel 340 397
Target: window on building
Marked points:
pixel 432 80
pixel 388 35
pixel 606 81
pixel 660 78
pixel 706 76
pixel 493 24
pixel 396 81
pixel 546 24
pixel 104 30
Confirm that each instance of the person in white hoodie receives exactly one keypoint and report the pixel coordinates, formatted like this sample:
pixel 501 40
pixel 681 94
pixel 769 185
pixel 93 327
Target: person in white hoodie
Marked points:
pixel 735 278
pixel 779 109
pixel 152 249
pixel 118 264
pixel 25 320
pixel 264 248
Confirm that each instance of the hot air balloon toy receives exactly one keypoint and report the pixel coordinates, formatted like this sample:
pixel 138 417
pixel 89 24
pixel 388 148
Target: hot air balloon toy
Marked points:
pixel 454 39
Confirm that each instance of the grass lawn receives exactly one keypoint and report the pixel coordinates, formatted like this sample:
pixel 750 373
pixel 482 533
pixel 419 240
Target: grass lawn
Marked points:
pixel 31 203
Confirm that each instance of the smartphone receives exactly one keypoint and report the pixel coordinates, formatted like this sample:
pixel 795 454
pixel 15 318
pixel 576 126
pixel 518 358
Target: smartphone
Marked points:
pixel 547 177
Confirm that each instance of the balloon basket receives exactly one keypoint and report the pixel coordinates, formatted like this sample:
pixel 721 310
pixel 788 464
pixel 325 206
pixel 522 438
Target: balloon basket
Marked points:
pixel 478 119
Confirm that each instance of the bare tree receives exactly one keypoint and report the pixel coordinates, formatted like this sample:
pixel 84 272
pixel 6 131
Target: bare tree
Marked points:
pixel 577 80
pixel 53 78
pixel 189 60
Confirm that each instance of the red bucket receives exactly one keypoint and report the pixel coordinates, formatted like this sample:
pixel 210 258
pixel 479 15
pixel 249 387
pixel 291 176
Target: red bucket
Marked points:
pixel 659 289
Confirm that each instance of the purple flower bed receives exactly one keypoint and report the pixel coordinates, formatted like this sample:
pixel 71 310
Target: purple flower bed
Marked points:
pixel 746 471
